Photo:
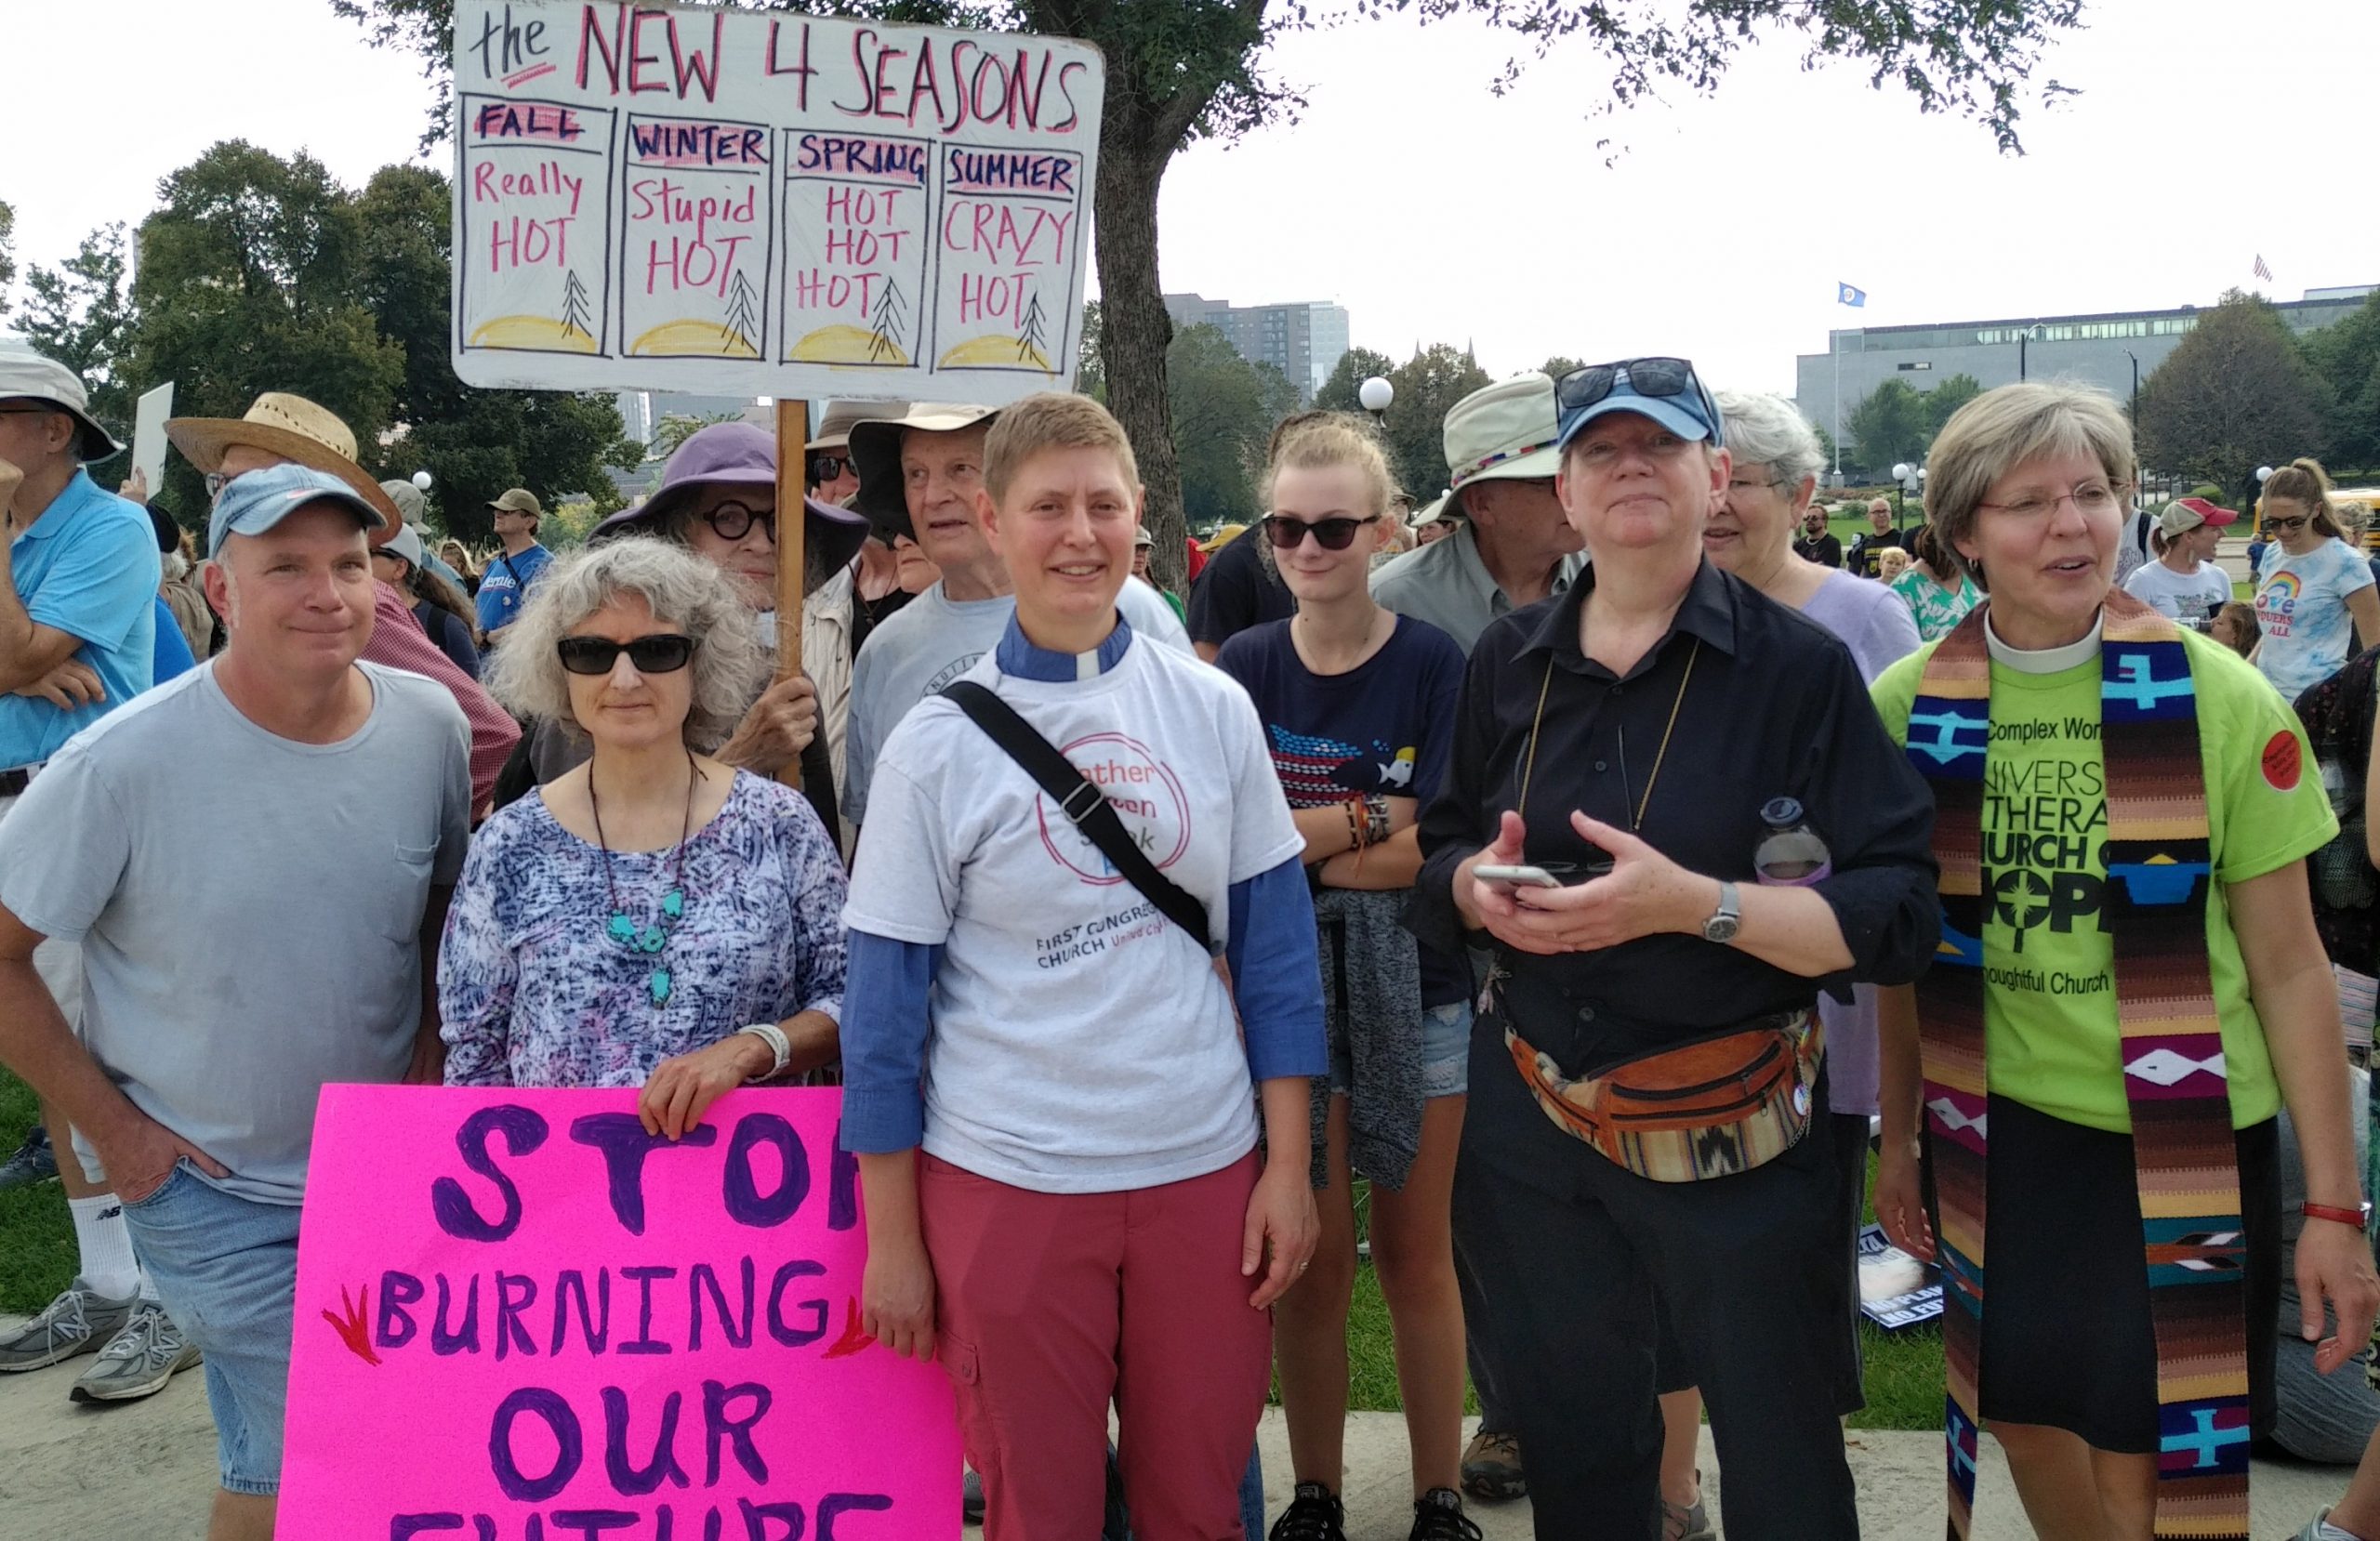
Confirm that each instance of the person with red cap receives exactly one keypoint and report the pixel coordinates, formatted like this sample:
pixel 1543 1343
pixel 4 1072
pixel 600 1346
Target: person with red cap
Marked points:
pixel 2184 582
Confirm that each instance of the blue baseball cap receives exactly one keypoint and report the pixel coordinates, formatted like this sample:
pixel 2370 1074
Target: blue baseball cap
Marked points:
pixel 1667 390
pixel 254 503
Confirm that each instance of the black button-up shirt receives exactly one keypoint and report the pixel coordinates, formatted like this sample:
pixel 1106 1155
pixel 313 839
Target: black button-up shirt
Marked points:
pixel 1775 708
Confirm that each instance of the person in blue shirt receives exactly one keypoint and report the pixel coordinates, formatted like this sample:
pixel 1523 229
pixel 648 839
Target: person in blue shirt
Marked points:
pixel 80 622
pixel 514 570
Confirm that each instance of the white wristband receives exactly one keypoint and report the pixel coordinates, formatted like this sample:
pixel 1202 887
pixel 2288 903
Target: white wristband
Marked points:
pixel 779 1046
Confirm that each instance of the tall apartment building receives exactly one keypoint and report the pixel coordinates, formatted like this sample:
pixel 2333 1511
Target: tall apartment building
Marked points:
pixel 1303 341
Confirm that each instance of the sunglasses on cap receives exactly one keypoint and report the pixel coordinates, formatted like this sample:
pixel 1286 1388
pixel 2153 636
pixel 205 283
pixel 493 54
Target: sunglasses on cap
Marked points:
pixel 1331 535
pixel 663 653
pixel 826 468
pixel 733 521
pixel 1583 387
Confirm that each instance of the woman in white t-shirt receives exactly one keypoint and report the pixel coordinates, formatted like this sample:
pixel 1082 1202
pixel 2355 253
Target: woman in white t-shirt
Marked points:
pixel 2184 582
pixel 2314 592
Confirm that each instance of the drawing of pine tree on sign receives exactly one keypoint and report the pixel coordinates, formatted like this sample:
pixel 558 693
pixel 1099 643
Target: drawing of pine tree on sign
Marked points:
pixel 1029 337
pixel 882 347
pixel 737 334
pixel 573 307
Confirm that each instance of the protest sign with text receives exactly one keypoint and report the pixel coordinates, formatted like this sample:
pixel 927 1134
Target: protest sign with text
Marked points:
pixel 519 1318
pixel 654 197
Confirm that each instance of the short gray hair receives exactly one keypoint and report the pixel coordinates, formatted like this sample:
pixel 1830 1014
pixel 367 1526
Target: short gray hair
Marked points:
pixel 1763 428
pixel 682 590
pixel 2007 427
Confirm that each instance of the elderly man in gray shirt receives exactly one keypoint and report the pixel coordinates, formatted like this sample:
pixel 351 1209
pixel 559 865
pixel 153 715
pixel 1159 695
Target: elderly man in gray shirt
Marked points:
pixel 255 859
pixel 1513 546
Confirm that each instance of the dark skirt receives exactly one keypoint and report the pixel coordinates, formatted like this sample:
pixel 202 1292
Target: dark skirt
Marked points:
pixel 2066 1336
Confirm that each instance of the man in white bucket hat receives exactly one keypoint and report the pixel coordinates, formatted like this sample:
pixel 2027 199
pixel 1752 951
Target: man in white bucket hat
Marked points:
pixel 1513 546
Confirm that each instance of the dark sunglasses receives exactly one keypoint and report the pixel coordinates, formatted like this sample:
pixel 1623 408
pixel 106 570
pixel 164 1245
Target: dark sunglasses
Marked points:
pixel 1583 387
pixel 826 468
pixel 665 652
pixel 1333 535
pixel 733 521
pixel 2297 523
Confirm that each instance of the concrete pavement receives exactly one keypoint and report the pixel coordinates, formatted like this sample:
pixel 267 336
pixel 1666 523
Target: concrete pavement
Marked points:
pixel 69 1473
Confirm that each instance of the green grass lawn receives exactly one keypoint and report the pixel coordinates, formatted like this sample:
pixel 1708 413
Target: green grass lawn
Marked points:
pixel 37 1261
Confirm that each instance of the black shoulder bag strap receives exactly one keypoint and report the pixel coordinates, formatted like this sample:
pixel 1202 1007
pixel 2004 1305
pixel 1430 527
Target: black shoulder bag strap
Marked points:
pixel 1082 803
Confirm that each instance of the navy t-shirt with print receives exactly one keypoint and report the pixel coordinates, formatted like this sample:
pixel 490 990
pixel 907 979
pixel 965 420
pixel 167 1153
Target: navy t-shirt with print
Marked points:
pixel 1385 726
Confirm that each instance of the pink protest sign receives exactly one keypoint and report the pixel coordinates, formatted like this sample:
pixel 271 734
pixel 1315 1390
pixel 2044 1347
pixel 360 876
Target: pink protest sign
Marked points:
pixel 521 1319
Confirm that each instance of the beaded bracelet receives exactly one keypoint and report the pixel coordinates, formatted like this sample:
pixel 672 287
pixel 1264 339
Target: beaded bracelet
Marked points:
pixel 779 1046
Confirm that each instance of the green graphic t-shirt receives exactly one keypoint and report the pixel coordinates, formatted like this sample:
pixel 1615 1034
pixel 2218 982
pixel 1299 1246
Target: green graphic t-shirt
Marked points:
pixel 2049 962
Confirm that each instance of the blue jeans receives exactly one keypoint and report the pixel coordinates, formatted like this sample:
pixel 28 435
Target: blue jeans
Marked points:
pixel 1251 1501
pixel 227 1268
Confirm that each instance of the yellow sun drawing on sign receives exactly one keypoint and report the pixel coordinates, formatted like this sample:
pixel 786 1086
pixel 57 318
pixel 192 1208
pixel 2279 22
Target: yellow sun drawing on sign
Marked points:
pixel 541 334
pixel 846 344
pixel 688 335
pixel 997 352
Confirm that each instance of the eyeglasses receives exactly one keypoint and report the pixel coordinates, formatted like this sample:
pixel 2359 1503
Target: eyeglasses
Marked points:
pixel 217 481
pixel 1753 486
pixel 1332 534
pixel 733 521
pixel 1583 387
pixel 826 468
pixel 2297 523
pixel 665 652
pixel 2092 497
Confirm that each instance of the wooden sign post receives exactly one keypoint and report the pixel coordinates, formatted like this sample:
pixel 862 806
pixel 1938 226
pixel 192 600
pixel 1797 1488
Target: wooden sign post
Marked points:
pixel 793 477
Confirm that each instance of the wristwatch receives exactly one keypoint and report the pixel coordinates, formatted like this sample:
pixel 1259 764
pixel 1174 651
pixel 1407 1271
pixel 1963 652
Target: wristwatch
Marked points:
pixel 1723 926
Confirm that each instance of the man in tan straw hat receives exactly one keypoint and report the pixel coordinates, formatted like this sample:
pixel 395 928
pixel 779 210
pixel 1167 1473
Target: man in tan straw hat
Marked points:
pixel 504 588
pixel 1513 546
pixel 918 475
pixel 284 429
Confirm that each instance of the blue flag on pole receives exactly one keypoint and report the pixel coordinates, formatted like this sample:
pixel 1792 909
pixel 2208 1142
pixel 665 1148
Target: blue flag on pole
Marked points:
pixel 1845 295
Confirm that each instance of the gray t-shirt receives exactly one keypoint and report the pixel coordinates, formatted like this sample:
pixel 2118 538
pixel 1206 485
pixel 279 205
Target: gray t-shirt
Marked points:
pixel 249 907
pixel 1446 583
pixel 930 641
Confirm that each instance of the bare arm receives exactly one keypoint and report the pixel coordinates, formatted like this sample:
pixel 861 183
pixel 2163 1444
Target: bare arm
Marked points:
pixel 2364 605
pixel 897 1297
pixel 1281 1211
pixel 28 650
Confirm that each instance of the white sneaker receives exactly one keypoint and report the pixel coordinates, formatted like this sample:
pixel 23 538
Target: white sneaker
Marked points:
pixel 77 1322
pixel 137 1360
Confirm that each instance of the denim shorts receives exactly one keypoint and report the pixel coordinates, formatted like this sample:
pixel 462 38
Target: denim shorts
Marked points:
pixel 1446 1053
pixel 227 1268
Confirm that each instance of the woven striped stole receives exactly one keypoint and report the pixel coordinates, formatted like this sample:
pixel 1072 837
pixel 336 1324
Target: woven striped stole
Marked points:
pixel 2159 873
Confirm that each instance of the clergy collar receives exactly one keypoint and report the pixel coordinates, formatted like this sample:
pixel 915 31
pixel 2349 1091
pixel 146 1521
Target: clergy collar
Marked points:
pixel 1017 655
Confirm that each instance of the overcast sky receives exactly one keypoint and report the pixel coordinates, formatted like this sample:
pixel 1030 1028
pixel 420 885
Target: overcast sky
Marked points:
pixel 2208 134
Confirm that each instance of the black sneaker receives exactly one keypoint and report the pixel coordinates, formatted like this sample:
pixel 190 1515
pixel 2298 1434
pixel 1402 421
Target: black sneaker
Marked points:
pixel 1314 1515
pixel 1437 1516
pixel 34 1161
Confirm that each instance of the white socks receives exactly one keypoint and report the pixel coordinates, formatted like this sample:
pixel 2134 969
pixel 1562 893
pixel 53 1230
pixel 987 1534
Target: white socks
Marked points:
pixel 106 1244
pixel 149 1289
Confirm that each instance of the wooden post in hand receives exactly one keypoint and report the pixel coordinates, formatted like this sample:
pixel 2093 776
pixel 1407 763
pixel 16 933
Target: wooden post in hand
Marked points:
pixel 793 466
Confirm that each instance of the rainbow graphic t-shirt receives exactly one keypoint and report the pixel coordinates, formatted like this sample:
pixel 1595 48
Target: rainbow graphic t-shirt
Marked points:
pixel 2301 605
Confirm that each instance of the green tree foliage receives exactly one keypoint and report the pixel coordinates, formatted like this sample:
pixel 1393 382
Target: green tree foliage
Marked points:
pixel 1557 366
pixel 676 428
pixel 7 252
pixel 81 316
pixel 1224 411
pixel 1946 399
pixel 2236 393
pixel 1182 71
pixel 1339 393
pixel 1427 384
pixel 1891 425
pixel 2347 353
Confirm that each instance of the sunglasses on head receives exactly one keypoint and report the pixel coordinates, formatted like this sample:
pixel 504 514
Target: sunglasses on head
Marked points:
pixel 826 468
pixel 1583 387
pixel 733 521
pixel 665 652
pixel 1332 534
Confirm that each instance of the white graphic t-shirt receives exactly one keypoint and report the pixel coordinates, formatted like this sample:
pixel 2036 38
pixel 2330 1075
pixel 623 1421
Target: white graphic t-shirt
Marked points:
pixel 1081 1041
pixel 2301 605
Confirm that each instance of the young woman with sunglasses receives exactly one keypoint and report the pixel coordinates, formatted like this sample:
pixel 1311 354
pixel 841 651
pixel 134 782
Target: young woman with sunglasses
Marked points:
pixel 653 918
pixel 2315 598
pixel 1359 706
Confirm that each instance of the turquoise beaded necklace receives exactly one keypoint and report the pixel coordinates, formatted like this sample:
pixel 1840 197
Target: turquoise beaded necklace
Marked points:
pixel 651 940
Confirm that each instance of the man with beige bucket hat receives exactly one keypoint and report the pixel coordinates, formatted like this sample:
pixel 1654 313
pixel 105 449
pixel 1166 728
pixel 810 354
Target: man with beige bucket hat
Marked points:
pixel 281 429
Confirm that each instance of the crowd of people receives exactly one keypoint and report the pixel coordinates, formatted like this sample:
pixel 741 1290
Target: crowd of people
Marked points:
pixel 1344 873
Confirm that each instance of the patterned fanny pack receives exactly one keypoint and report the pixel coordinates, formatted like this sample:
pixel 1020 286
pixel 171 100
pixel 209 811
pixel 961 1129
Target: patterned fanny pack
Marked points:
pixel 1709 1108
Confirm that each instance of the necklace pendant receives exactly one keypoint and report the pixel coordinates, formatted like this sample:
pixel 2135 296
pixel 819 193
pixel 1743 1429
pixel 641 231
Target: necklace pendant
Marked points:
pixel 659 985
pixel 673 904
pixel 651 940
pixel 621 928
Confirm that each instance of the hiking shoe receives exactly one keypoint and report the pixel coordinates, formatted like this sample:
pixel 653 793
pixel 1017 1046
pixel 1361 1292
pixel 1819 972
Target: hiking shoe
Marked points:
pixel 137 1360
pixel 34 1161
pixel 1491 1468
pixel 1688 1522
pixel 1314 1515
pixel 1437 1516
pixel 77 1322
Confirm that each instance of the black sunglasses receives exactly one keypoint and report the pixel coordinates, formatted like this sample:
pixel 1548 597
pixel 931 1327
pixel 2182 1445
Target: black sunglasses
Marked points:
pixel 1585 388
pixel 1334 534
pixel 665 652
pixel 733 521
pixel 826 468
pixel 2299 523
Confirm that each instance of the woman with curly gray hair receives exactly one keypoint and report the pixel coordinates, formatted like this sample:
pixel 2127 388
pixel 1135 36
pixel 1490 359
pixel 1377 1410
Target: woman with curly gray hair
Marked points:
pixel 653 918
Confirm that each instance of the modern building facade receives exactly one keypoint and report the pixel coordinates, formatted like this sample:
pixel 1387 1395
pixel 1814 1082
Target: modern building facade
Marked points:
pixel 2113 351
pixel 1305 340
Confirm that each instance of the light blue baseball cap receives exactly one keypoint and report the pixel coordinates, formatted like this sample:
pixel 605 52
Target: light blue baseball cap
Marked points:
pixel 1665 390
pixel 254 503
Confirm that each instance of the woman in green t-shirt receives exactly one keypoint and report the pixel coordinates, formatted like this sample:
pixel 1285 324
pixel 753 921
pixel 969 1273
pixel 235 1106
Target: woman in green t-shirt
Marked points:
pixel 2129 989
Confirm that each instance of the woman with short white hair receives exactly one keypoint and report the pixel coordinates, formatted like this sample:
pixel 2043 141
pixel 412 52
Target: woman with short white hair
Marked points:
pixel 653 918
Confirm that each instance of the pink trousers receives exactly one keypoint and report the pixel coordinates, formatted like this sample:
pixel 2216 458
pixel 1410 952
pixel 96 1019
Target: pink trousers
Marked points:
pixel 1048 1306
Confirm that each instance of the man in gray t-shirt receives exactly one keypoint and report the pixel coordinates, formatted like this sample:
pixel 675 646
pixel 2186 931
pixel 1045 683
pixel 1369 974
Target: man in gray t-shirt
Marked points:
pixel 256 860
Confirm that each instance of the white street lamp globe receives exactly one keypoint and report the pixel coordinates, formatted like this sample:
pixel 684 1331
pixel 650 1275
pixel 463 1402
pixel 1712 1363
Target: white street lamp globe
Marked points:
pixel 421 481
pixel 2264 474
pixel 1375 394
pixel 1902 471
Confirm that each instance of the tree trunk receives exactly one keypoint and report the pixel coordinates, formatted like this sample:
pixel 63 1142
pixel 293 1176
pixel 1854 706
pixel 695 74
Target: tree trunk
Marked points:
pixel 1134 329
